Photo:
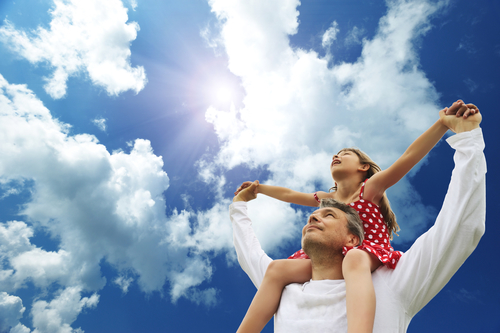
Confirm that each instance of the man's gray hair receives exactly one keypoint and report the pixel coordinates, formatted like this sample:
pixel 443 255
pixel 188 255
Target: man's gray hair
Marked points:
pixel 354 223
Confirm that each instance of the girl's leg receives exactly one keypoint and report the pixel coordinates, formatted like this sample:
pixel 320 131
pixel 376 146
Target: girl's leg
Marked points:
pixel 266 301
pixel 360 294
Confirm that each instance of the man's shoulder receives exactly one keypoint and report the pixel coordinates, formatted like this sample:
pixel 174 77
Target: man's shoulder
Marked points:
pixel 382 278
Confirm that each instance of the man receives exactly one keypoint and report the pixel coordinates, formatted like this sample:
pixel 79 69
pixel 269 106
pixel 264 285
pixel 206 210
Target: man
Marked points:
pixel 319 305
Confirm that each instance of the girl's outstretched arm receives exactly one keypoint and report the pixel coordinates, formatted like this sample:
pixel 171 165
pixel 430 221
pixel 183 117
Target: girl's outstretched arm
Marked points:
pixel 283 194
pixel 381 181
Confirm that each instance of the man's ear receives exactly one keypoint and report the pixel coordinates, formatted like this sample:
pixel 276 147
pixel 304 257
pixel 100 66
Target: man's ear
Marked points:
pixel 352 240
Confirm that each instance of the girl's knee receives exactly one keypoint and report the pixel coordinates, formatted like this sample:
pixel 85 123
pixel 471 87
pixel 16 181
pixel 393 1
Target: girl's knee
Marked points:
pixel 355 260
pixel 289 271
pixel 276 270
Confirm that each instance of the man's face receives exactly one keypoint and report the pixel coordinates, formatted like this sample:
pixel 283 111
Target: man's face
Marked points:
pixel 327 228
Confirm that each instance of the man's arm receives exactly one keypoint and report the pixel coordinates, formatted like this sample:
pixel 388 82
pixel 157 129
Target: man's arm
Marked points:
pixel 435 256
pixel 253 260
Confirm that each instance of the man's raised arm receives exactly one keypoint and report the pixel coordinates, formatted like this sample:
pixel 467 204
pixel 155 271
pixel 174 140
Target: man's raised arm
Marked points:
pixel 253 260
pixel 435 256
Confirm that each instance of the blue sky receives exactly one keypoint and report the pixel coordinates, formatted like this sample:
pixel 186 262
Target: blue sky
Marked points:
pixel 126 126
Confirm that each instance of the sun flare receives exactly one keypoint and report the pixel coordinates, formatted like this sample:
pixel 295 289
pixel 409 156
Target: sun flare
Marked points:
pixel 224 94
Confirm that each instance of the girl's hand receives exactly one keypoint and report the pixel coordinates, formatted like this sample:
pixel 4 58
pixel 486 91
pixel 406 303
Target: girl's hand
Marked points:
pixel 460 109
pixel 245 185
pixel 249 193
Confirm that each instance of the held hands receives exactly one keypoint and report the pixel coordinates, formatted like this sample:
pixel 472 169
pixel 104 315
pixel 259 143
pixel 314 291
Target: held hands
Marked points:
pixel 460 117
pixel 245 185
pixel 247 191
pixel 460 109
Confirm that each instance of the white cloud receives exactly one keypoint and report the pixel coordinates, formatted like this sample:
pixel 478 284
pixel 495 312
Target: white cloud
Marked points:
pixel 330 35
pixel 100 123
pixel 58 314
pixel 123 282
pixel 85 36
pixel 256 30
pixel 19 328
pixel 298 111
pixel 133 4
pixel 212 38
pixel 98 206
pixel 354 36
pixel 11 310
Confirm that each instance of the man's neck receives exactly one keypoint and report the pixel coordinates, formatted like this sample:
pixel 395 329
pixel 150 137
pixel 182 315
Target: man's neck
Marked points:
pixel 327 269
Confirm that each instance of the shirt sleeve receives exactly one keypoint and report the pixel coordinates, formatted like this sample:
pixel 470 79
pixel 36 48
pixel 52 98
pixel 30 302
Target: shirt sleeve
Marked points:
pixel 253 260
pixel 436 255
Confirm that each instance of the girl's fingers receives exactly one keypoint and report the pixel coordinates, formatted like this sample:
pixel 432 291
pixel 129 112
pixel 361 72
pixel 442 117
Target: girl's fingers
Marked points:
pixel 242 187
pixel 460 109
pixel 463 108
pixel 453 109
pixel 471 106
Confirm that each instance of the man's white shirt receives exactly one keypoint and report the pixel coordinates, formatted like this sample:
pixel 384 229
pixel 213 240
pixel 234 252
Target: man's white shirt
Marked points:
pixel 319 305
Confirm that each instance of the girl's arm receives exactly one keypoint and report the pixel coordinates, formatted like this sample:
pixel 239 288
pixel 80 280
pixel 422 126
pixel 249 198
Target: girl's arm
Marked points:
pixel 284 194
pixel 381 181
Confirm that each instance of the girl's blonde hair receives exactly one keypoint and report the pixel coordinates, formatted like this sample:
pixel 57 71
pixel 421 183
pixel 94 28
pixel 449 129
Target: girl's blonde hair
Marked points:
pixel 385 206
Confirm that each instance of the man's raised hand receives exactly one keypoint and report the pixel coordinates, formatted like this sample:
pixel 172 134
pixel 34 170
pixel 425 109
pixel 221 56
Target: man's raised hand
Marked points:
pixel 461 117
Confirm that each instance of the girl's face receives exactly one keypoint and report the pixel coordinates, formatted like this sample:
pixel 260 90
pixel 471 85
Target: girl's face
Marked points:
pixel 345 160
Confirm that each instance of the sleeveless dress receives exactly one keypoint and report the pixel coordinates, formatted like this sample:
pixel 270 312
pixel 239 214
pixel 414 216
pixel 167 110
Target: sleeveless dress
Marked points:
pixel 375 232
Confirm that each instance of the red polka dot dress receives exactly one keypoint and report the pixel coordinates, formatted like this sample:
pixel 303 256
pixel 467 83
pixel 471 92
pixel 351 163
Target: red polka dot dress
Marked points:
pixel 375 231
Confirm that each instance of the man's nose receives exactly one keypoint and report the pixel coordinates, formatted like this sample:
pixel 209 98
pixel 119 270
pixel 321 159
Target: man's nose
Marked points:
pixel 313 218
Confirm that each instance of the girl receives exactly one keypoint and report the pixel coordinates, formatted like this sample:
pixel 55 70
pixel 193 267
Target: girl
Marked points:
pixel 350 169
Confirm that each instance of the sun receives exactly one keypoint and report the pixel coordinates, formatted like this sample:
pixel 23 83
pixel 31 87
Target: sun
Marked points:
pixel 224 94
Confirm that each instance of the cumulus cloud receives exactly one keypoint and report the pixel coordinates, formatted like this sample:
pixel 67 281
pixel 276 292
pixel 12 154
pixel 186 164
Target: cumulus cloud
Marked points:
pixel 298 110
pixel 11 310
pixel 85 37
pixel 58 314
pixel 99 206
pixel 109 206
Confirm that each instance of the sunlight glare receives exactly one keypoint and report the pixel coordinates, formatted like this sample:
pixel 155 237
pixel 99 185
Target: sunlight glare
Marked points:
pixel 224 94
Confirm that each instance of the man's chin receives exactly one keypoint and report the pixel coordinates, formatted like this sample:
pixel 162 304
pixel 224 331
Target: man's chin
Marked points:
pixel 312 246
